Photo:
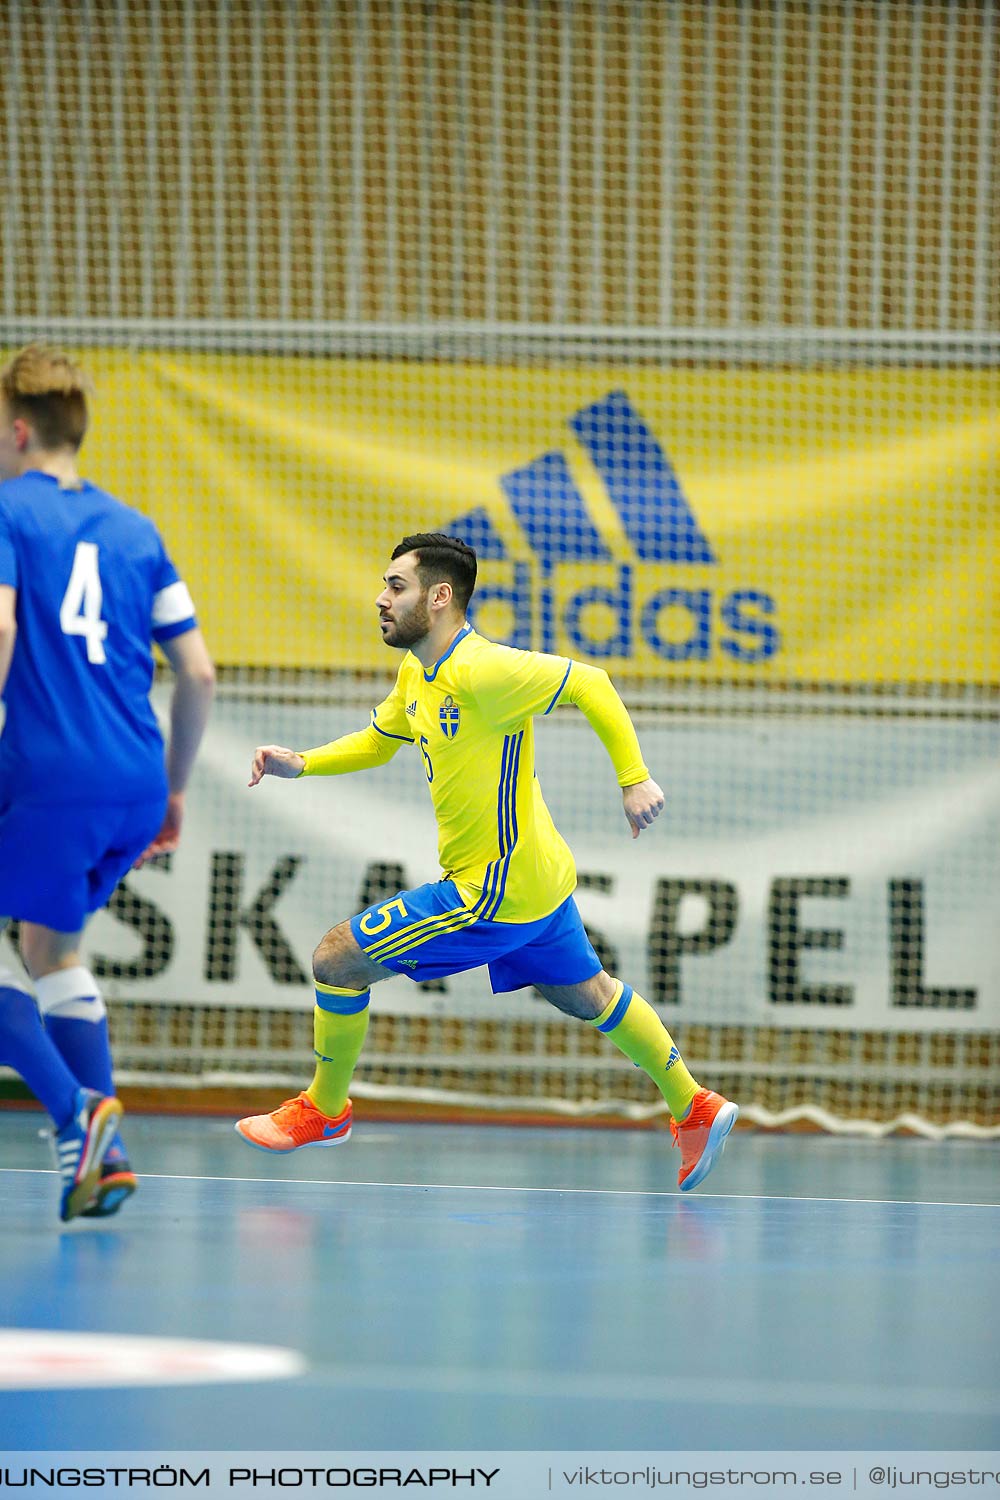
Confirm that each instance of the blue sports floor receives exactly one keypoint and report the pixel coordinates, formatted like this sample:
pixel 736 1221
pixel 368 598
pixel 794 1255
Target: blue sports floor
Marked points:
pixel 484 1287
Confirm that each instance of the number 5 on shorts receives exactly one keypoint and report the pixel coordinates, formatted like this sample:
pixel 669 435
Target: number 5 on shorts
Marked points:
pixel 368 924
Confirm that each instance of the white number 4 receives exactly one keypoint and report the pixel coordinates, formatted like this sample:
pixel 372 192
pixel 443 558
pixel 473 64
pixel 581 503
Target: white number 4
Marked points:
pixel 80 613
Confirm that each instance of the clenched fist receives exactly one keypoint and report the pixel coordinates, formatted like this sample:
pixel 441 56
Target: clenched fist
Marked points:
pixel 643 802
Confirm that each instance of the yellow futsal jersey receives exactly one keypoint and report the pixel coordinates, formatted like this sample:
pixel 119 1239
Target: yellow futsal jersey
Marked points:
pixel 470 717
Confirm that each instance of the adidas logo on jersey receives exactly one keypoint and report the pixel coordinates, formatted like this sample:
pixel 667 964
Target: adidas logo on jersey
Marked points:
pixel 411 708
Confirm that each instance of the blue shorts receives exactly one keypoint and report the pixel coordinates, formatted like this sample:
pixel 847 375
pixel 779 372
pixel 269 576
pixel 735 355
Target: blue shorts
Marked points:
pixel 429 933
pixel 60 862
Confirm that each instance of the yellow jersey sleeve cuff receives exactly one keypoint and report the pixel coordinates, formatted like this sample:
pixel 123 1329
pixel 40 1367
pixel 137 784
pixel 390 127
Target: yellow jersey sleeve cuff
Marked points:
pixel 634 776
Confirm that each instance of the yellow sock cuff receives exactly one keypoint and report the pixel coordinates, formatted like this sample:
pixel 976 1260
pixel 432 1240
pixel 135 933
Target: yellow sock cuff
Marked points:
pixel 341 1002
pixel 614 1011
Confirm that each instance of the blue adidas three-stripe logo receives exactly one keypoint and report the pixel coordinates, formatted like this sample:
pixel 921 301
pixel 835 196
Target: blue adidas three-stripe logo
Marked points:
pixel 677 623
pixel 496 882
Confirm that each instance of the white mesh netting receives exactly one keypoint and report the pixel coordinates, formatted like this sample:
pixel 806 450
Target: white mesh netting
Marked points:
pixel 688 316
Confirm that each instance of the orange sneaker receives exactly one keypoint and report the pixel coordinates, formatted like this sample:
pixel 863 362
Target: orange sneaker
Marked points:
pixel 296 1123
pixel 701 1136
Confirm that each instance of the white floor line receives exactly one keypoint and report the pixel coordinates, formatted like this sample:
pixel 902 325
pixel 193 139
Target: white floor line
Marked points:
pixel 715 1390
pixel 479 1187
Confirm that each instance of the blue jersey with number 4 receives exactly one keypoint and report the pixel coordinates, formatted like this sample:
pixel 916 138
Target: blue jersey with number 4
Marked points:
pixel 95 588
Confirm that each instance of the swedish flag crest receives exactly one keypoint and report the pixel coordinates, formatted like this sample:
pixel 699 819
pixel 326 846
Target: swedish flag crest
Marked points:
pixel 450 717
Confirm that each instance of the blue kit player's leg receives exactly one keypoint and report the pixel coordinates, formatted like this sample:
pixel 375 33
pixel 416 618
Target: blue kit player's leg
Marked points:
pixel 25 1047
pixel 82 1119
pixel 68 862
pixel 71 1003
pixel 69 996
pixel 85 1121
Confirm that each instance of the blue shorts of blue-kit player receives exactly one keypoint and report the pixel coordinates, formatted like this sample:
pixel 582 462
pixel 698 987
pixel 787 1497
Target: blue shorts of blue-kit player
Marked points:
pixel 429 933
pixel 61 861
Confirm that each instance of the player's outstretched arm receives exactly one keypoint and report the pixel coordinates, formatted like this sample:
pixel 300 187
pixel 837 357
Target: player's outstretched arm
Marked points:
pixel 275 760
pixel 362 751
pixel 352 752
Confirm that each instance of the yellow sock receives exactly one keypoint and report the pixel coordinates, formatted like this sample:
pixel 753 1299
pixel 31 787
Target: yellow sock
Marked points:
pixel 340 1025
pixel 633 1025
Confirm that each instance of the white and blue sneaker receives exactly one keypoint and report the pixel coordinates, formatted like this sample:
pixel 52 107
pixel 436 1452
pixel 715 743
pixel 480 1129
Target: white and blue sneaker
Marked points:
pixel 80 1148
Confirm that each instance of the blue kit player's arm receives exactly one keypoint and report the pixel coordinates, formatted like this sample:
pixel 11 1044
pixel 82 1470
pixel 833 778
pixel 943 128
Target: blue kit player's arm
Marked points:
pixel 8 600
pixel 8 631
pixel 174 627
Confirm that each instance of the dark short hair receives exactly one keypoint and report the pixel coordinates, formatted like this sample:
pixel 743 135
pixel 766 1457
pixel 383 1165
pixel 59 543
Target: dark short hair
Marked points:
pixel 442 557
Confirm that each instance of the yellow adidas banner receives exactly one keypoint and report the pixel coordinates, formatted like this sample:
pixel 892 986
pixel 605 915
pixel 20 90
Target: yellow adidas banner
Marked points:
pixel 826 527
